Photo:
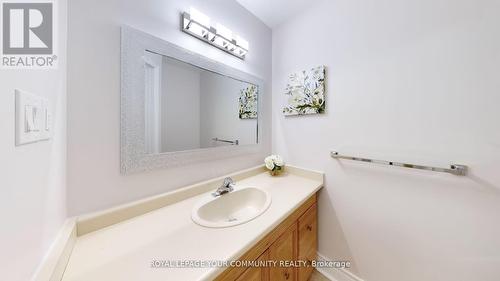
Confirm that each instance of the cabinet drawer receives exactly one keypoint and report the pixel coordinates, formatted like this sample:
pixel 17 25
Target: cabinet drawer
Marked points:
pixel 308 240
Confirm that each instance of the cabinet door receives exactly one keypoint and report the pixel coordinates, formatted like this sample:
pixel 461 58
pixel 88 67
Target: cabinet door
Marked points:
pixel 284 249
pixel 308 240
pixel 256 273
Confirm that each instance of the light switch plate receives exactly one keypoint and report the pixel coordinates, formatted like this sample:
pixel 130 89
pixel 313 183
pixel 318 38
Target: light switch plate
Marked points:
pixel 30 118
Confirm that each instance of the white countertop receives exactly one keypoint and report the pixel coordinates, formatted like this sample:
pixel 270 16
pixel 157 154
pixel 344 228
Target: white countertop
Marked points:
pixel 125 251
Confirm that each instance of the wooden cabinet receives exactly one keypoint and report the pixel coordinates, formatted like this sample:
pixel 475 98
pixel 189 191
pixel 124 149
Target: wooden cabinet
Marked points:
pixel 308 241
pixel 256 273
pixel 284 249
pixel 295 239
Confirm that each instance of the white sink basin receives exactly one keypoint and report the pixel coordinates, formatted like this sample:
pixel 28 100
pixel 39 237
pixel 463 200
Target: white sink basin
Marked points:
pixel 233 208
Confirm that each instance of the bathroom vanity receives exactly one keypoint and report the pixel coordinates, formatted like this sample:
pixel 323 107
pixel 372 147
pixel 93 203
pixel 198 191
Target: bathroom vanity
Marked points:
pixel 135 241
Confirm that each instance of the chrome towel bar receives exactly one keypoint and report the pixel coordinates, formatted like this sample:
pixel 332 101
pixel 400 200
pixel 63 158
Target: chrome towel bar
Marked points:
pixel 455 169
pixel 235 142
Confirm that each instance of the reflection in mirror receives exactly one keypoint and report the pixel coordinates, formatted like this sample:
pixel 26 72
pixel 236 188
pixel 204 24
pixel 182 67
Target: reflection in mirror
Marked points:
pixel 188 107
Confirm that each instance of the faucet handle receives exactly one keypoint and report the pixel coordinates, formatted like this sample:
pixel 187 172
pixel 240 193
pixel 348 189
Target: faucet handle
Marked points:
pixel 228 182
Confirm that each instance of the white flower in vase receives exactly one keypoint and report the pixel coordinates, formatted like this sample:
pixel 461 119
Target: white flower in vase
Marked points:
pixel 275 164
pixel 269 163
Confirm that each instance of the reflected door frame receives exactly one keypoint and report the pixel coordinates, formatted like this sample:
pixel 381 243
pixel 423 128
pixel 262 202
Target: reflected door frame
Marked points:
pixel 153 74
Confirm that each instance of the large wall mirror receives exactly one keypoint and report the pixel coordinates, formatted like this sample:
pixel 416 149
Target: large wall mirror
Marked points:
pixel 179 107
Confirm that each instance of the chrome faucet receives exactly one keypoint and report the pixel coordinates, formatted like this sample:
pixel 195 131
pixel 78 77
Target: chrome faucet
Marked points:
pixel 226 187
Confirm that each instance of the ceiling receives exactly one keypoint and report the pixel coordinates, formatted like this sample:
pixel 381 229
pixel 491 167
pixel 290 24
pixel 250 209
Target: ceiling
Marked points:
pixel 275 12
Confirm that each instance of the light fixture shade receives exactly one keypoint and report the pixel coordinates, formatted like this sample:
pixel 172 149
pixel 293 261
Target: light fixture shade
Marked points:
pixel 199 17
pixel 219 41
pixel 198 30
pixel 241 52
pixel 242 42
pixel 224 32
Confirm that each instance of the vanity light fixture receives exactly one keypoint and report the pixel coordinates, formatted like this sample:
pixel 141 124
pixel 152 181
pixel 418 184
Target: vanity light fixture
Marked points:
pixel 198 25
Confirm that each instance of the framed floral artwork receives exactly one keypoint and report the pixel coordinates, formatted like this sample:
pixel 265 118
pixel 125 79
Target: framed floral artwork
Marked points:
pixel 248 102
pixel 305 92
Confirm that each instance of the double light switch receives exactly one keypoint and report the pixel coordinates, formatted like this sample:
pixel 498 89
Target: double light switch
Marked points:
pixel 33 118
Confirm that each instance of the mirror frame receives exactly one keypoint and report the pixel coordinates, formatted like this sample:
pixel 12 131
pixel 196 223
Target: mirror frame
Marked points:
pixel 132 143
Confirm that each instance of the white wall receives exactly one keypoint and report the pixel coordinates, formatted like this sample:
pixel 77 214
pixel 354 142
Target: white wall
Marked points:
pixel 414 81
pixel 220 111
pixel 180 106
pixel 32 177
pixel 94 180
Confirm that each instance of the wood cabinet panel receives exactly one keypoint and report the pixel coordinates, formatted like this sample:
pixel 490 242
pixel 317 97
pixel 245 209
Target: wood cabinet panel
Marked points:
pixel 256 273
pixel 308 241
pixel 284 249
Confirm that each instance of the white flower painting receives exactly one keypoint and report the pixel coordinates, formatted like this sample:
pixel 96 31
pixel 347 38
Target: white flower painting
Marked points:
pixel 306 92
pixel 248 102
